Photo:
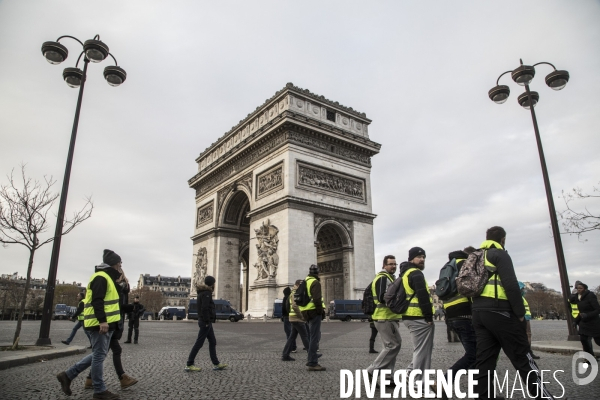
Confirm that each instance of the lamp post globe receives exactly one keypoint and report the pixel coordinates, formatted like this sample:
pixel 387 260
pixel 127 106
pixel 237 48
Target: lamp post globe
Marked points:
pixel 524 99
pixel 95 50
pixel 54 52
pixel 523 75
pixel 114 75
pixel 499 94
pixel 557 80
pixel 73 77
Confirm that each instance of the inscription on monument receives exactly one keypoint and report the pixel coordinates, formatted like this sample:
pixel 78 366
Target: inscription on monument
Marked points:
pixel 313 177
pixel 269 181
pixel 267 251
pixel 205 214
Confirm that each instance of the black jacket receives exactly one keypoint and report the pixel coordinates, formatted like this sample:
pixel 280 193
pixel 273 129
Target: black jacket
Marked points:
pixel 461 309
pixel 506 272
pixel 589 314
pixel 285 305
pixel 136 311
pixel 416 280
pixel 98 287
pixel 206 306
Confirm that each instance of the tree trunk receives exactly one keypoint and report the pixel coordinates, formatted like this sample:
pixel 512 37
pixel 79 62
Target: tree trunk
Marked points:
pixel 25 292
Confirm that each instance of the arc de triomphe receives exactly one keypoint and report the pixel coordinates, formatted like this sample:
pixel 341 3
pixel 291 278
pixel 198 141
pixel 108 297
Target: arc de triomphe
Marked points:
pixel 287 187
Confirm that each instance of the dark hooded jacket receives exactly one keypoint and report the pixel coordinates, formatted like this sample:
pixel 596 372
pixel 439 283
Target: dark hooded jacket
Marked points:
pixel 285 305
pixel 589 314
pixel 99 286
pixel 416 280
pixel 206 306
pixel 506 272
pixel 461 309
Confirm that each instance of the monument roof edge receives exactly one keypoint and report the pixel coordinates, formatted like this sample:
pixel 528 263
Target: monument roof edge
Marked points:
pixel 289 87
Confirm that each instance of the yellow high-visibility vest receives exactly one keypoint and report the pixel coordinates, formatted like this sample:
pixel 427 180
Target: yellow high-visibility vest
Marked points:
pixel 111 302
pixel 311 304
pixel 527 310
pixel 574 310
pixel 414 310
pixel 382 312
pixel 81 316
pixel 494 281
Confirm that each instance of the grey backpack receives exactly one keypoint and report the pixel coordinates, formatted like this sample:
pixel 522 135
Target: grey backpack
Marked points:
pixel 474 274
pixel 395 297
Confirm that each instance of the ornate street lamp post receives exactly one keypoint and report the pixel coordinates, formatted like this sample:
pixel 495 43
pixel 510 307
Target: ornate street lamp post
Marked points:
pixel 556 80
pixel 95 51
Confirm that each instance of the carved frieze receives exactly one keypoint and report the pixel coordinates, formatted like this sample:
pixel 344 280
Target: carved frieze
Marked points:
pixel 268 260
pixel 269 181
pixel 315 178
pixel 333 266
pixel 205 214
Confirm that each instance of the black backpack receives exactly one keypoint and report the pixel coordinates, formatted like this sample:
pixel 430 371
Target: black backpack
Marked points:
pixel 395 297
pixel 445 286
pixel 368 304
pixel 301 297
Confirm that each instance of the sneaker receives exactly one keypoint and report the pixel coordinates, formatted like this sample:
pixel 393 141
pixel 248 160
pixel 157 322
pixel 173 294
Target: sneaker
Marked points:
pixel 65 383
pixel 64 342
pixel 106 395
pixel 535 357
pixel 127 341
pixel 319 355
pixel 88 384
pixel 219 367
pixel 288 358
pixel 373 351
pixel 317 368
pixel 192 368
pixel 127 381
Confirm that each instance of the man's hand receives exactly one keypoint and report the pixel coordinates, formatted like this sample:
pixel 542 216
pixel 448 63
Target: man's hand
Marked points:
pixel 103 328
pixel 521 319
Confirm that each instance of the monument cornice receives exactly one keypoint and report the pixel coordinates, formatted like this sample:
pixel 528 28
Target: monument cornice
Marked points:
pixel 346 120
pixel 289 132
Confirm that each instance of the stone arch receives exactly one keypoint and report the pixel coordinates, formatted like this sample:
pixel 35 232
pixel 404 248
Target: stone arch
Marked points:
pixel 234 208
pixel 333 242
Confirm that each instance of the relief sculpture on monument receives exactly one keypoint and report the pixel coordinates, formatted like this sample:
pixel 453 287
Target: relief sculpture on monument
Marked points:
pixel 201 265
pixel 267 251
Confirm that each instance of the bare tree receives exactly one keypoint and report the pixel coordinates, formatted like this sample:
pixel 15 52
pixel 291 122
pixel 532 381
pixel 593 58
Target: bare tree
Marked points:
pixel 581 220
pixel 24 208
pixel 151 299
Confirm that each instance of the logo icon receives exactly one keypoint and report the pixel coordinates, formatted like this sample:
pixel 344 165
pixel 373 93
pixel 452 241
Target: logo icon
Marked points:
pixel 579 368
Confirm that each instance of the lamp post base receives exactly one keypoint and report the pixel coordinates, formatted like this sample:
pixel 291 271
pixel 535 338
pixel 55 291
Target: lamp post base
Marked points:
pixel 48 342
pixel 573 338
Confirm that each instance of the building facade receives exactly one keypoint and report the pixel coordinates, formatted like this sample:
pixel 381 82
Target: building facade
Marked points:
pixel 175 290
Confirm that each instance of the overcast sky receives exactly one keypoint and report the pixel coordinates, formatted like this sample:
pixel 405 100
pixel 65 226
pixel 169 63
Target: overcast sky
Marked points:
pixel 452 162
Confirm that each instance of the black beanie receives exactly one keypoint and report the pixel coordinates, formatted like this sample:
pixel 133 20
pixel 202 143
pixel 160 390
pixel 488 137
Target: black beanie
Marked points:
pixel 209 280
pixel 313 270
pixel 414 252
pixel 110 257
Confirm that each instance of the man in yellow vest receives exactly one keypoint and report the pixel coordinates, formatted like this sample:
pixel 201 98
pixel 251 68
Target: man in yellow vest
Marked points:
pixel 297 326
pixel 79 315
pixel 385 320
pixel 527 318
pixel 101 317
pixel 418 318
pixel 313 313
pixel 499 321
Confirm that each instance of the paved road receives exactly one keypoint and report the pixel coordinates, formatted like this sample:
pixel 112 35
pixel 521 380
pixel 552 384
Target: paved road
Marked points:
pixel 253 352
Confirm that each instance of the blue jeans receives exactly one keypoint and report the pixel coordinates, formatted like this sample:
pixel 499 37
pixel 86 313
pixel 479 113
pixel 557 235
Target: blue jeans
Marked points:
pixel 287 327
pixel 466 333
pixel 315 335
pixel 78 325
pixel 206 332
pixel 100 345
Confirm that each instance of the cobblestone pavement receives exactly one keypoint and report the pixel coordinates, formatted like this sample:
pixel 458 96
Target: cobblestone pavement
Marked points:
pixel 253 352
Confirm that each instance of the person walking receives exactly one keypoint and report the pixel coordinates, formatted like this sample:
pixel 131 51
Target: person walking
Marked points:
pixel 588 318
pixel 313 313
pixel 385 320
pixel 206 316
pixel 418 318
pixel 137 310
pixel 499 321
pixel 101 319
pixel 79 315
pixel 297 326
pixel 285 313
pixel 373 337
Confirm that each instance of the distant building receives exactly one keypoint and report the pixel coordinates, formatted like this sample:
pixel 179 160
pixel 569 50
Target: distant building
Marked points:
pixel 175 290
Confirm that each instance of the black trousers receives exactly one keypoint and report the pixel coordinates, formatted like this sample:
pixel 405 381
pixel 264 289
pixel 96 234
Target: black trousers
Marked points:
pixel 496 332
pixel 586 342
pixel 134 324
